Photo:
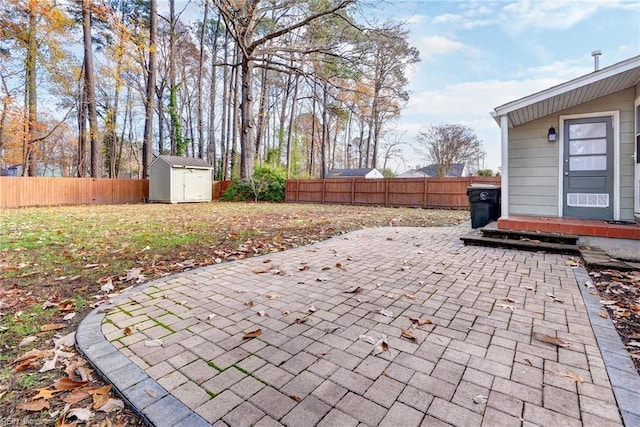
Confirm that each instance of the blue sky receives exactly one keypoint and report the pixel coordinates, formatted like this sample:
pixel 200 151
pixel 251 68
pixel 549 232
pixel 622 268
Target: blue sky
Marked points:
pixel 477 55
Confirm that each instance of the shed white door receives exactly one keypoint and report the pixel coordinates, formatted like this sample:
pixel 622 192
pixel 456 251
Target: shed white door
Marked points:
pixel 588 168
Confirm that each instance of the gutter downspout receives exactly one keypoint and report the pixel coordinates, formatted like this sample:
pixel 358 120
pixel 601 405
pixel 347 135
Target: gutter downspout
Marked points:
pixel 504 132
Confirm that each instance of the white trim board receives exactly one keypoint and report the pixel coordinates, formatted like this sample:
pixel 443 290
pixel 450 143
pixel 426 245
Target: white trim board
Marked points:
pixel 615 122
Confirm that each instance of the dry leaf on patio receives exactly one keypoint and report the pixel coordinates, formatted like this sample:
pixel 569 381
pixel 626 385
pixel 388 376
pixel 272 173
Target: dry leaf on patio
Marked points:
pixel 80 414
pixel 26 341
pixel 261 270
pixel 420 321
pixel 263 313
pixel 69 316
pixel 367 338
pixel 211 316
pixel 322 279
pixel 325 268
pixel 573 377
pixel 127 331
pixel 33 355
pixel 153 343
pixel 550 339
pixel 338 265
pixel 286 313
pixel 479 399
pixel 312 309
pixel 410 296
pixel 404 333
pixel 66 383
pixel 301 320
pixel 249 303
pixel 508 307
pixel 381 345
pixel 511 300
pixel 273 296
pixel 252 334
pixel 389 295
pixel 150 393
pixel 52 327
pixel 107 287
pixel 303 268
pixel 385 312
pixel 353 290
pixel 34 406
pixel 296 398
pixel 608 302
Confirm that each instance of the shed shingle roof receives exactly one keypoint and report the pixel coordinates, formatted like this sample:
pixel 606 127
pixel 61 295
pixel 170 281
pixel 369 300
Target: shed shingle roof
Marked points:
pixel 189 162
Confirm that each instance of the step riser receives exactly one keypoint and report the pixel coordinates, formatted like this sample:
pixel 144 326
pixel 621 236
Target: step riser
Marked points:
pixel 516 235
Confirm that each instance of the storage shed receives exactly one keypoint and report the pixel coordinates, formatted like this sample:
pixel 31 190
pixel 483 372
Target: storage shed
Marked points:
pixel 174 179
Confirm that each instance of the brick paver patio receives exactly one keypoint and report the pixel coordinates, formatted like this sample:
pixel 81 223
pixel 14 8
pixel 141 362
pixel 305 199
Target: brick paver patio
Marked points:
pixel 176 349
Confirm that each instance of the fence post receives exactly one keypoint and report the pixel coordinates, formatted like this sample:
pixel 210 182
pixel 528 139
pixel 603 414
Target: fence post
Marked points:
pixel 386 192
pixel 353 191
pixel 426 190
pixel 323 189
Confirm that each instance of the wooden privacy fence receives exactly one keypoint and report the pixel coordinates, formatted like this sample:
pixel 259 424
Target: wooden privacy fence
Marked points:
pixel 18 192
pixel 445 193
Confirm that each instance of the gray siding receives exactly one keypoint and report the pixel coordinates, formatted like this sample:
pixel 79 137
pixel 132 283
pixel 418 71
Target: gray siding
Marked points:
pixel 533 162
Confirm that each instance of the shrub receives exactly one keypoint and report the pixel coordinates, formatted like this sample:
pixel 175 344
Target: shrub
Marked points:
pixel 267 184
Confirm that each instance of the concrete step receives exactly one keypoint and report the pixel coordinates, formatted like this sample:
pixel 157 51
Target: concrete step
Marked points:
pixel 477 238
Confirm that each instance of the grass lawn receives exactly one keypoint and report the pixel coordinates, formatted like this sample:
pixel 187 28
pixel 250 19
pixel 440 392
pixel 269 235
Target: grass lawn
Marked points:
pixel 59 260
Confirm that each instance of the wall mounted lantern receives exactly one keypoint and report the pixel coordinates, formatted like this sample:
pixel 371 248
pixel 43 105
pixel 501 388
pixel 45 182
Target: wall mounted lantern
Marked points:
pixel 552 136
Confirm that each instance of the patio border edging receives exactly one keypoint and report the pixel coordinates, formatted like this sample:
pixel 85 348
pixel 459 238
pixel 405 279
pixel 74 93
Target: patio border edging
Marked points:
pixel 144 395
pixel 625 381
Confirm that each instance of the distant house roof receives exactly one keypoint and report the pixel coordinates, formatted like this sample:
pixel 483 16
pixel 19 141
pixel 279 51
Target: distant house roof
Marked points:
pixel 351 173
pixel 185 162
pixel 431 170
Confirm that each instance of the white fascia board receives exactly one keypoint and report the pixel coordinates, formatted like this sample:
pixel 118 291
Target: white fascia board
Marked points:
pixel 579 82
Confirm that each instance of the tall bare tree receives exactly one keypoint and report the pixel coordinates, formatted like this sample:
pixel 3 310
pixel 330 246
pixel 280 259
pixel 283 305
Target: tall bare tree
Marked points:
pixel 147 144
pixel 446 144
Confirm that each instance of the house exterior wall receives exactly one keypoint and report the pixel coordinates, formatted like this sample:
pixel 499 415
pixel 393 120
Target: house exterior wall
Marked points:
pixel 534 176
pixel 159 182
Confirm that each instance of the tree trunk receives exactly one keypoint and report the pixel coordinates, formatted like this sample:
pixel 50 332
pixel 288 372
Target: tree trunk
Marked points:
pixel 90 88
pixel 247 141
pixel 200 83
pixel 212 103
pixel 30 165
pixel 147 145
pixel 82 132
pixel 172 76
pixel 262 122
pixel 224 131
pixel 291 119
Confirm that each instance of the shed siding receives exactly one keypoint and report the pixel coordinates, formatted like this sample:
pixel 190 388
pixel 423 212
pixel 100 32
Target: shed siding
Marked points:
pixel 533 162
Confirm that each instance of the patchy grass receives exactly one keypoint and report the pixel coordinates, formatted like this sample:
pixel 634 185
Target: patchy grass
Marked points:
pixel 64 255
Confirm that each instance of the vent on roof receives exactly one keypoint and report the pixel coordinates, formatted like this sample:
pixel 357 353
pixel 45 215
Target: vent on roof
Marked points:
pixel 596 59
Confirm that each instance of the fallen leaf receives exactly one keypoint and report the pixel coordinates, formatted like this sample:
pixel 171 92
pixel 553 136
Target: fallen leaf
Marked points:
pixel 368 338
pixel 286 313
pixel 608 302
pixel 52 327
pixel 338 265
pixel 34 406
pixel 325 268
pixel 263 313
pixel 153 343
pixel 133 274
pixel 573 377
pixel 301 320
pixel 389 295
pixel 479 399
pixel 381 345
pixel 303 268
pixel 101 396
pixel 508 307
pixel 550 339
pixel 355 290
pixel 150 393
pixel 108 287
pixel 81 414
pixel 45 393
pixel 249 303
pixel 66 383
pixel 34 354
pixel 252 334
pixel 211 316
pixel 420 321
pixel 273 296
pixel 27 340
pixel 67 305
pixel 404 333
pixel 112 405
pixel 410 296
pixel 385 312
pixel 69 316
pixel 312 309
pixel 528 361
pixel 322 279
pixel 296 398
pixel 261 270
pixel 511 300
pixel 76 396
pixel 127 331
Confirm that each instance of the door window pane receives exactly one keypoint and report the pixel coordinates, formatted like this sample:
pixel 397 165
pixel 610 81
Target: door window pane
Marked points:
pixel 588 130
pixel 588 146
pixel 588 163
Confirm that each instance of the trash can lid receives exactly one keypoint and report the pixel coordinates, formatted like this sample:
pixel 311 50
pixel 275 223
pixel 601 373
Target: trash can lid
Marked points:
pixel 481 186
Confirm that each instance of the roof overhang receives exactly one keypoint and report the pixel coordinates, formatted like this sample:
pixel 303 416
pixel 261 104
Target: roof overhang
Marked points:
pixel 583 89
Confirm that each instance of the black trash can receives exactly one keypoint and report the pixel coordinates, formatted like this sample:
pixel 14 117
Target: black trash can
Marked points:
pixel 484 204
